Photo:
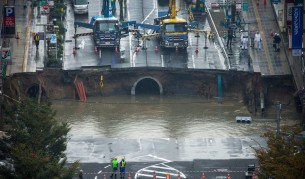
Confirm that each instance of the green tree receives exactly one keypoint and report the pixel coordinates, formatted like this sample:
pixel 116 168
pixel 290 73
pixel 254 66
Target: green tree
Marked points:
pixel 36 143
pixel 284 158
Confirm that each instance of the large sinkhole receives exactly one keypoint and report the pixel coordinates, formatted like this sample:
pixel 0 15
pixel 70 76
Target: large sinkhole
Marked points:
pixel 147 85
pixel 33 92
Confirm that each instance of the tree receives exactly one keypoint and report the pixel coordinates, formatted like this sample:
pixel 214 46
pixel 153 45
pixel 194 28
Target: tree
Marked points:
pixel 284 158
pixel 36 143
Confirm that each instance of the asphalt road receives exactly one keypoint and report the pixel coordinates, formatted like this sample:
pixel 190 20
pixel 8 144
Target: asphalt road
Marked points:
pixel 211 169
pixel 149 53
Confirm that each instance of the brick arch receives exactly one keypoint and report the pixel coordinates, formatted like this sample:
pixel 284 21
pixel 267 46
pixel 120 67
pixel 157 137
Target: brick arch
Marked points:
pixel 133 89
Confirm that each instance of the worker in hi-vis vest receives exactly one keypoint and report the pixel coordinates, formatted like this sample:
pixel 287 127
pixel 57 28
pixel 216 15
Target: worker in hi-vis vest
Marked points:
pixel 122 167
pixel 36 39
pixel 114 165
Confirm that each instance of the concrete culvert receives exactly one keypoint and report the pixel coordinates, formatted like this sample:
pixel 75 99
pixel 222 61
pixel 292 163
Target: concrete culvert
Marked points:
pixel 147 85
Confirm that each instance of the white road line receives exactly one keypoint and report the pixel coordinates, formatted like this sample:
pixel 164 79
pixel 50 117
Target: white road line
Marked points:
pixel 162 61
pixel 99 172
pixel 152 171
pixel 95 177
pixel 193 59
pixel 107 166
pixel 166 168
pixel 153 156
pixel 130 34
pixel 150 12
pixel 145 175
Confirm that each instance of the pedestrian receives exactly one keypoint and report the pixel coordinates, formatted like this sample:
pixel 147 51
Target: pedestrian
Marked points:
pixel 252 36
pixel 80 174
pixel 122 167
pixel 257 40
pixel 244 41
pixel 230 37
pixel 36 39
pixel 114 165
pixel 276 42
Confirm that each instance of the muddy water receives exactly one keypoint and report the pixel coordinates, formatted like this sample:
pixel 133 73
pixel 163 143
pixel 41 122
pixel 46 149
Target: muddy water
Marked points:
pixel 164 117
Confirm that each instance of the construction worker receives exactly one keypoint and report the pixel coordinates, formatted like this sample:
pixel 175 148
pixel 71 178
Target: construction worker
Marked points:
pixel 230 37
pixel 36 39
pixel 244 41
pixel 80 174
pixel 122 167
pixel 114 165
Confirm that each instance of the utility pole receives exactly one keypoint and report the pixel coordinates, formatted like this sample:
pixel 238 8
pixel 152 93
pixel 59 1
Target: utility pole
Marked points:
pixel 278 116
pixel 45 38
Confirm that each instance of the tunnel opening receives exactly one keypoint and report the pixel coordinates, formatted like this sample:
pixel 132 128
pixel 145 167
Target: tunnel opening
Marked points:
pixel 147 86
pixel 33 92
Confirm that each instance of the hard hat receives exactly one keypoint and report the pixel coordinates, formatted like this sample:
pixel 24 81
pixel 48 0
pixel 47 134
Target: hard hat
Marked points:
pixel 115 158
pixel 123 158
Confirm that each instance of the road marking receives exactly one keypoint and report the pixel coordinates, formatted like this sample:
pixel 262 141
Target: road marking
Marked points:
pixel 156 157
pixel 162 61
pixel 193 59
pixel 99 172
pixel 168 168
pixel 150 12
pixel 107 166
pixel 145 175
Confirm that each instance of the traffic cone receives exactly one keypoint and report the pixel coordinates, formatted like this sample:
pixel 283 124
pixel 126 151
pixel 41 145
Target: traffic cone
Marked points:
pixel 196 51
pixel 17 35
pixel 136 50
pixel 176 48
pixel 202 177
pixel 154 176
pixel 156 49
pixel 129 176
pixel 116 50
pixel 104 177
pixel 167 176
pixel 228 177
pixel 178 176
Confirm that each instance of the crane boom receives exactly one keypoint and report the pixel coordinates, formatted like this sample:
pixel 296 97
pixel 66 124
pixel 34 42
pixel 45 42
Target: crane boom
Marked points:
pixel 172 8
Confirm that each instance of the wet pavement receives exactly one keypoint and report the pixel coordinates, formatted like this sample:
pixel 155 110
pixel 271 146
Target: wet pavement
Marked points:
pixel 210 58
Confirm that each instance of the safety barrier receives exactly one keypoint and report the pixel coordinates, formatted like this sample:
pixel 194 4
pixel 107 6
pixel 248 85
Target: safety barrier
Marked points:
pixel 178 175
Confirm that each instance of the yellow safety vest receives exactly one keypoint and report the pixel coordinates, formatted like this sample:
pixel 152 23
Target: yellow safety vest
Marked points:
pixel 37 38
pixel 123 163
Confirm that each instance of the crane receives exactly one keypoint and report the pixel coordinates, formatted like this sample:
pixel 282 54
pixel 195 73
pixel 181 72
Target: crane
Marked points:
pixel 107 30
pixel 170 30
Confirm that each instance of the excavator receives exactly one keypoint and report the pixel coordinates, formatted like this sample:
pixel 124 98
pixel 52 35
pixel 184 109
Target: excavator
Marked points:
pixel 170 30
pixel 107 30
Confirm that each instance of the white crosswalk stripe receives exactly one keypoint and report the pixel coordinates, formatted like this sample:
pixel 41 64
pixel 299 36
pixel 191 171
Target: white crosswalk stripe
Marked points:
pixel 160 170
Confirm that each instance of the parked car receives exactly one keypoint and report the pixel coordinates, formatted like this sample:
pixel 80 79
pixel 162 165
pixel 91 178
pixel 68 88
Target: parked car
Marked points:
pixel 80 6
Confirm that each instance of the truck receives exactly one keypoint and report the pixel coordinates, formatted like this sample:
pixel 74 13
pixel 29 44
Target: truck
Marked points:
pixel 170 30
pixel 107 30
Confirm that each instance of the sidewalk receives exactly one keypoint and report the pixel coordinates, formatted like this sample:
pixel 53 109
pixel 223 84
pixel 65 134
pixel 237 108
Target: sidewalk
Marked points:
pixel 24 56
pixel 265 61
pixel 17 45
pixel 295 64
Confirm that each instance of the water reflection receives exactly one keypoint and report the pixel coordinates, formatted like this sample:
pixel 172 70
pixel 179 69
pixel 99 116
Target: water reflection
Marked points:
pixel 162 117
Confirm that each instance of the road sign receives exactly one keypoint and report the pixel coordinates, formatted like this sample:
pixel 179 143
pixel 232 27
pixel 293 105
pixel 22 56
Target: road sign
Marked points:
pixel 45 6
pixel 53 39
pixel 238 7
pixel 245 6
